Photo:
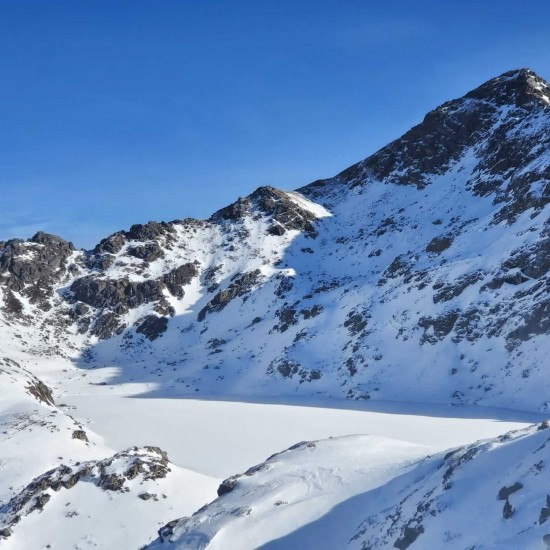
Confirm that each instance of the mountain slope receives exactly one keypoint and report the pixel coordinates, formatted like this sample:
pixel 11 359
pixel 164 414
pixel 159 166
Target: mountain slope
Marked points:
pixel 427 261
pixel 370 493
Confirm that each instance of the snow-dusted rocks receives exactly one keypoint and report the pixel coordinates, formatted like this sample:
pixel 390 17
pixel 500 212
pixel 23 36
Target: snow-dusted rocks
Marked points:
pixel 115 502
pixel 112 474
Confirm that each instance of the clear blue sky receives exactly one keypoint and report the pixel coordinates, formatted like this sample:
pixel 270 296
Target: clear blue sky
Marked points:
pixel 117 112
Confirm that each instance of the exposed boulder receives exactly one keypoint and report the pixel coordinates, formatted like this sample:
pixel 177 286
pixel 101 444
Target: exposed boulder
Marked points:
pixel 179 277
pixel 148 252
pixel 439 244
pixel 80 434
pixel 227 485
pixel 152 326
pixel 149 231
pixel 111 244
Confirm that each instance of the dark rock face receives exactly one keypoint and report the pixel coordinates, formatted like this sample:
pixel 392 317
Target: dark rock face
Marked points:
pixel 398 268
pixel 105 325
pixel 535 322
pixel 102 258
pixel 456 288
pixel 40 391
pixel 118 294
pixel 12 305
pixel 439 244
pixel 426 149
pixel 440 326
pixel 111 482
pixel 239 287
pixel 115 297
pixel 545 512
pixel 111 245
pixel 52 241
pixel 279 207
pixel 100 262
pixel 179 277
pixel 81 309
pixel 410 534
pixel 356 322
pixel 505 492
pixel 233 212
pixel 287 368
pixel 287 317
pixel 533 261
pixel 521 87
pixel 276 229
pixel 152 326
pixel 32 267
pixel 148 252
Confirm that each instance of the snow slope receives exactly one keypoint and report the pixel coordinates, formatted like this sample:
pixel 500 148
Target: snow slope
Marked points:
pixel 369 492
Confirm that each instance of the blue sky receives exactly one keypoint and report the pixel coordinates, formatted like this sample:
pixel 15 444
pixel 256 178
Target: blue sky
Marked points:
pixel 115 112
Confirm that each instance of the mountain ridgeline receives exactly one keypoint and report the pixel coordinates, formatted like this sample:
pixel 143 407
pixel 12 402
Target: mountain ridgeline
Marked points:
pixel 418 274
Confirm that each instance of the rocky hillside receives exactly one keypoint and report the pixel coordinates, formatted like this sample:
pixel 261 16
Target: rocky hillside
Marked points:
pixel 418 274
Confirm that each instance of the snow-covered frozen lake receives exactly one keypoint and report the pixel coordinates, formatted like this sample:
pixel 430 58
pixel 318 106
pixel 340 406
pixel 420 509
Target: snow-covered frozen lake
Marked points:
pixel 220 438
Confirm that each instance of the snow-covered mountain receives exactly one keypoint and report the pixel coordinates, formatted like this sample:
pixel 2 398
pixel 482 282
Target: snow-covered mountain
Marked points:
pixel 427 261
pixel 420 274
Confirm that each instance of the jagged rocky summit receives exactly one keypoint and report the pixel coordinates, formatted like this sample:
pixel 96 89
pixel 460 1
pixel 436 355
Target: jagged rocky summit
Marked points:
pixel 418 274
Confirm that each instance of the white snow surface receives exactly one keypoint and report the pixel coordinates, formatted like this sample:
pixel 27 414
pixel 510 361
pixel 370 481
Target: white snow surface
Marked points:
pixel 369 492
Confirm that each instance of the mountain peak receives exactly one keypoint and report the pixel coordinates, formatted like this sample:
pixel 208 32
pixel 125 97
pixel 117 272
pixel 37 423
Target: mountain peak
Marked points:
pixel 478 122
pixel 519 87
